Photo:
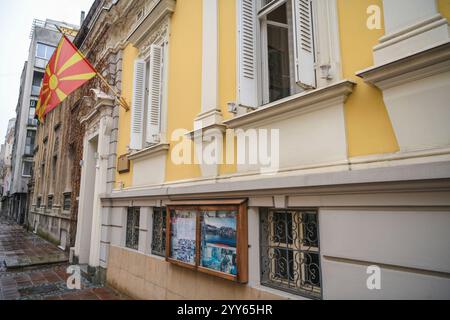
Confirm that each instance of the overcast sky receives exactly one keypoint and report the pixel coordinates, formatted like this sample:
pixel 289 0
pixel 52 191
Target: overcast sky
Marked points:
pixel 16 18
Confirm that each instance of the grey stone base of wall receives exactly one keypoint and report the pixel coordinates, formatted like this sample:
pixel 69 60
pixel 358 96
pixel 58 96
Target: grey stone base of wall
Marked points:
pixel 95 275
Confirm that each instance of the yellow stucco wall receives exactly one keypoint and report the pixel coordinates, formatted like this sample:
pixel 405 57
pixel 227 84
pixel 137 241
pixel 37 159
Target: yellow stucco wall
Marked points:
pixel 185 78
pixel 369 130
pixel 444 8
pixel 129 56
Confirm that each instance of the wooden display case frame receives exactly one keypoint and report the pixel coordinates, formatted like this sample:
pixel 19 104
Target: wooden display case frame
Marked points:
pixel 240 206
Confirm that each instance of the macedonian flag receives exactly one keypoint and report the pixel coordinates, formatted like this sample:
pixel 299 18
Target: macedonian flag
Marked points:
pixel 66 71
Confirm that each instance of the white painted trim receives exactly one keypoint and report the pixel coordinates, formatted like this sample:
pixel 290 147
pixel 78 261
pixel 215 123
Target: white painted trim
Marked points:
pixel 303 102
pixel 417 66
pixel 149 152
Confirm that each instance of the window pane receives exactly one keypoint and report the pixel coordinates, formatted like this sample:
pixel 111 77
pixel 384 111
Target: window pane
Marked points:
pixel 49 52
pixel 183 235
pixel 218 241
pixel 278 61
pixel 27 166
pixel 278 15
pixel 40 50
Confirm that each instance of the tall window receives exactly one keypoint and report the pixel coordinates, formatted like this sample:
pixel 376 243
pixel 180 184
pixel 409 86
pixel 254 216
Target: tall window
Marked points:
pixel 159 232
pixel 50 202
pixel 132 237
pixel 147 99
pixel 276 50
pixel 37 83
pixel 290 258
pixel 27 168
pixel 67 201
pixel 29 143
pixel 32 114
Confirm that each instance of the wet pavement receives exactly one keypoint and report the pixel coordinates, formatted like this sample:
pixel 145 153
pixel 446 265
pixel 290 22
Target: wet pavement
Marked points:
pixel 34 269
pixel 19 248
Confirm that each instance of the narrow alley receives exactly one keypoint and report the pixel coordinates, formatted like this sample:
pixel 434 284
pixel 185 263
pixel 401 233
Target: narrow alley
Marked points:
pixel 34 269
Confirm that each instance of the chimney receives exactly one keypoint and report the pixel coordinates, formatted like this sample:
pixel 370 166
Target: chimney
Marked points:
pixel 83 15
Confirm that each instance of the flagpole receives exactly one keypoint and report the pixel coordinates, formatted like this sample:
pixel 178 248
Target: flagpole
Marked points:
pixel 123 103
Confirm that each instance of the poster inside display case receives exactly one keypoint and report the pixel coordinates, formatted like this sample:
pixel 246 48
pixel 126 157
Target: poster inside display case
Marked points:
pixel 210 238
pixel 183 236
pixel 218 241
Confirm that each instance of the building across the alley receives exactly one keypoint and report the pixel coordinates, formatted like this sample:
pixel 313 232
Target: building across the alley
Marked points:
pixel 44 39
pixel 6 168
pixel 360 176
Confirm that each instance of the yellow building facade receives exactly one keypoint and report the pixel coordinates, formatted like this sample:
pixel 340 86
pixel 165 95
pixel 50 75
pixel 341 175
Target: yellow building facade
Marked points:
pixel 325 119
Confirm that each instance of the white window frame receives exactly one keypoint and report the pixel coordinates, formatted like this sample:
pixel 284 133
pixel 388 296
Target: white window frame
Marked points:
pixel 328 67
pixel 262 48
pixel 145 52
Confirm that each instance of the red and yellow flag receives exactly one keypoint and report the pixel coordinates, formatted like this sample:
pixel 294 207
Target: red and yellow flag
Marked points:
pixel 66 71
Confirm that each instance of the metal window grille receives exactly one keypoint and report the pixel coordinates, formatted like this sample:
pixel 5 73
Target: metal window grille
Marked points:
pixel 290 255
pixel 132 239
pixel 159 232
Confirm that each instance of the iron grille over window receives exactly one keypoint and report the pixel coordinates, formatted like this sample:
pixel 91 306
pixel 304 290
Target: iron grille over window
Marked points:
pixel 159 232
pixel 132 239
pixel 290 257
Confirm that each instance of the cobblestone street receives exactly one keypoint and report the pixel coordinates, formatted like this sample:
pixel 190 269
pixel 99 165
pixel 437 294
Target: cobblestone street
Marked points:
pixel 34 269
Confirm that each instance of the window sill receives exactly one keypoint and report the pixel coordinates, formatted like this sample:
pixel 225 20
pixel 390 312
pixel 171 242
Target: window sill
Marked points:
pixel 296 104
pixel 414 67
pixel 151 151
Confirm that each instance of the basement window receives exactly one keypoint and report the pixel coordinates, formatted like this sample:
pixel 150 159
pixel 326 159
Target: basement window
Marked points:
pixel 159 232
pixel 290 256
pixel 132 237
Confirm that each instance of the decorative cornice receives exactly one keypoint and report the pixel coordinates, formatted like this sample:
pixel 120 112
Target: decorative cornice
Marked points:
pixel 417 66
pixel 149 152
pixel 204 131
pixel 153 17
pixel 405 178
pixel 101 102
pixel 297 104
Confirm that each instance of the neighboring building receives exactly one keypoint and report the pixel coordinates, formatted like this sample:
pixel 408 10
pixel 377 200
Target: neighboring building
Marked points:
pixel 44 39
pixel 7 168
pixel 363 170
pixel 49 190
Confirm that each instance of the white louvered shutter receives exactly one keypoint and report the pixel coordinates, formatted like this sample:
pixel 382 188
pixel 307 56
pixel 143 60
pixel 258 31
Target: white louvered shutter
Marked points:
pixel 137 111
pixel 248 94
pixel 305 75
pixel 155 95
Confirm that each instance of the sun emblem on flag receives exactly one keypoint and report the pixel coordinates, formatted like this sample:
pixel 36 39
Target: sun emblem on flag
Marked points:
pixel 66 71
